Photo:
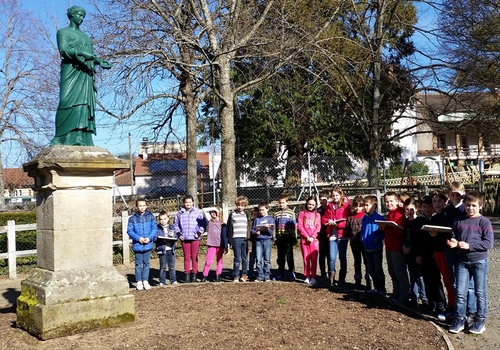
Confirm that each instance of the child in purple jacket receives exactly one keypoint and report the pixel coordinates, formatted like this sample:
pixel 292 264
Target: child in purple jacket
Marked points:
pixel 190 224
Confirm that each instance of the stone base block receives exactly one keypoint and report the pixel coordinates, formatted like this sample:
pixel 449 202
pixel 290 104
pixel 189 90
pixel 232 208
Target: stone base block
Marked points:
pixel 54 304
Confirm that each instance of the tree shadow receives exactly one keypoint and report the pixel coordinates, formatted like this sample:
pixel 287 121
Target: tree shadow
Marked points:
pixel 380 302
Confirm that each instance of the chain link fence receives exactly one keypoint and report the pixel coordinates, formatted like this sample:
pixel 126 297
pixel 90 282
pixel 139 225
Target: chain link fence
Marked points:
pixel 264 179
pixel 261 179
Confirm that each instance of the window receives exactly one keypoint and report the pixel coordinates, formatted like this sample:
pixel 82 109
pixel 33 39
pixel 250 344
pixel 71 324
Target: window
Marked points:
pixel 464 141
pixel 441 141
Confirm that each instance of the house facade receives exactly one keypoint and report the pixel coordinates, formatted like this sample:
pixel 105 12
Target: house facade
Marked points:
pixel 165 164
pixel 18 186
pixel 447 133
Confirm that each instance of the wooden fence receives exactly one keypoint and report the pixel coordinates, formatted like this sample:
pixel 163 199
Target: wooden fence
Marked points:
pixel 12 254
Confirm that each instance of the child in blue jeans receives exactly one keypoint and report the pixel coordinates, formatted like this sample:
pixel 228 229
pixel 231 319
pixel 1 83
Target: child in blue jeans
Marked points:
pixel 472 236
pixel 142 230
pixel 165 247
pixel 262 231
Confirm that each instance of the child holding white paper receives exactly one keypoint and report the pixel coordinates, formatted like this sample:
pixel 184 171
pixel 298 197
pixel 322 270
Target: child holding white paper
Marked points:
pixel 166 239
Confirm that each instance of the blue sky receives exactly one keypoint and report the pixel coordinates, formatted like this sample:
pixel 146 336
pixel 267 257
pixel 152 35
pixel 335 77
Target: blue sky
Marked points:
pixel 109 135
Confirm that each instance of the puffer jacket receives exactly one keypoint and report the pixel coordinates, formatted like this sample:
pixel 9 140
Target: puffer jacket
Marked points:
pixel 142 226
pixel 190 224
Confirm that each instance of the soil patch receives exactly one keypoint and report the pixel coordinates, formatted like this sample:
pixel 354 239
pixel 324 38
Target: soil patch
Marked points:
pixel 250 316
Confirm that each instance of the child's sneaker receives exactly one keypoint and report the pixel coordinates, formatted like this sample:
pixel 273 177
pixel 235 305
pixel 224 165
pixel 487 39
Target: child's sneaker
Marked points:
pixel 457 326
pixel 307 281
pixel 259 280
pixel 479 326
pixel 292 276
pixel 146 285
pixel 244 278
pixel 277 277
pixel 217 278
pixel 139 286
pixel 448 315
pixel 162 284
pixel 470 320
pixel 174 282
pixel 312 281
pixel 236 280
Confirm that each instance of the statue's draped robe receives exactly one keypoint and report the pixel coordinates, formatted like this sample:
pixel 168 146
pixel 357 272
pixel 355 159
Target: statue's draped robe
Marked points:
pixel 75 118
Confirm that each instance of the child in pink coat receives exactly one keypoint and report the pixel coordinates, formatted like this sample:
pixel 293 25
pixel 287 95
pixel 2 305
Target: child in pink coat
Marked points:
pixel 309 225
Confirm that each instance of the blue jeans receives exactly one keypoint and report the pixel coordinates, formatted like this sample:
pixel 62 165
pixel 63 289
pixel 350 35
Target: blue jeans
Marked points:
pixel 167 259
pixel 478 270
pixel 142 266
pixel 263 259
pixel 240 257
pixel 375 269
pixel 417 286
pixel 339 246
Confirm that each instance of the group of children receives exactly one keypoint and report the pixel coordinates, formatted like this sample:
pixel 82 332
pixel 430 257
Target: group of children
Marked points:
pixel 425 241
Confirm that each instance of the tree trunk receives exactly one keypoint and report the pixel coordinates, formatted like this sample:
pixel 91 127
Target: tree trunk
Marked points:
pixel 375 147
pixel 373 167
pixel 191 149
pixel 190 106
pixel 227 132
pixel 294 166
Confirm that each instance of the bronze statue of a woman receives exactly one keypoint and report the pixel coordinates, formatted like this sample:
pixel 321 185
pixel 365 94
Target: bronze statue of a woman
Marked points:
pixel 75 118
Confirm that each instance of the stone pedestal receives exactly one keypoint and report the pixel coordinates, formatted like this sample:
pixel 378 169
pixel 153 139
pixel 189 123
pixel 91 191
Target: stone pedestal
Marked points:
pixel 75 286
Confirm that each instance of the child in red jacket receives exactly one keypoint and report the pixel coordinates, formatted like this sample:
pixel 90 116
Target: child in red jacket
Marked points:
pixel 394 237
pixel 335 218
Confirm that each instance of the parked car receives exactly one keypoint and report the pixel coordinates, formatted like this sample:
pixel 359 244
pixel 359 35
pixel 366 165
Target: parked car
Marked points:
pixel 164 192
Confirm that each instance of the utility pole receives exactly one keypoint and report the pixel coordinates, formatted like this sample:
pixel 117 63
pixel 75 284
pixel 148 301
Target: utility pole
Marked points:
pixel 131 164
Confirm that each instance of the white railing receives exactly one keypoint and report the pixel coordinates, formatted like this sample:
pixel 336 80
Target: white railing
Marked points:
pixel 12 254
pixel 465 177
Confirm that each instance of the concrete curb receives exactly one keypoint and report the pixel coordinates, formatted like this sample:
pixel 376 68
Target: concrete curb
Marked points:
pixel 445 336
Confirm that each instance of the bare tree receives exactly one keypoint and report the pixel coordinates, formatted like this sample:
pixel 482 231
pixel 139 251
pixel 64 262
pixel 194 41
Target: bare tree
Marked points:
pixel 26 69
pixel 157 76
pixel 170 54
pixel 363 63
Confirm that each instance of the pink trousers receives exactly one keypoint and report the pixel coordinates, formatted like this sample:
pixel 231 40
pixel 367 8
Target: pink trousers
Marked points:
pixel 310 255
pixel 190 250
pixel 218 252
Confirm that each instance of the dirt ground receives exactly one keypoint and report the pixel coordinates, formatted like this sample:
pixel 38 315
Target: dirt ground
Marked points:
pixel 275 315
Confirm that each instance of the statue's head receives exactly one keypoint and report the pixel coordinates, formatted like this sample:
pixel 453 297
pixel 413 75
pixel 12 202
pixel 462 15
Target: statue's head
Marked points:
pixel 73 9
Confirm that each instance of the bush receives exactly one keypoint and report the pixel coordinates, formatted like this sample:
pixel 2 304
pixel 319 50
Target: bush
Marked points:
pixel 20 217
pixel 395 170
